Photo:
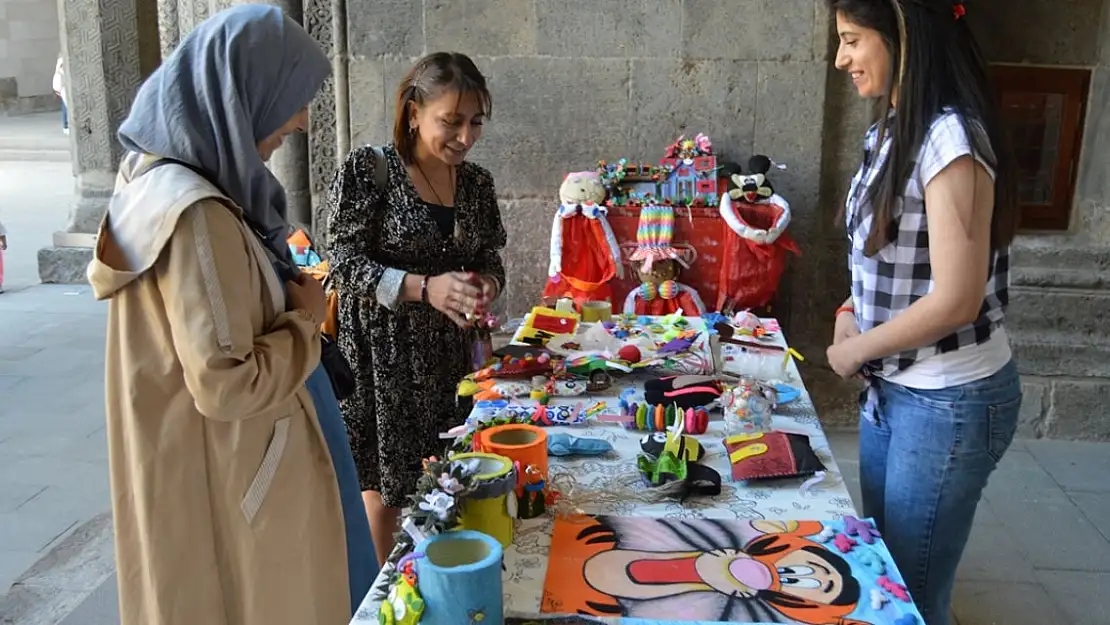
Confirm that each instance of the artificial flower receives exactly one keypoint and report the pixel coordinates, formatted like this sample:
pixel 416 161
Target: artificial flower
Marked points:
pixel 469 466
pixel 438 503
pixel 704 145
pixel 449 484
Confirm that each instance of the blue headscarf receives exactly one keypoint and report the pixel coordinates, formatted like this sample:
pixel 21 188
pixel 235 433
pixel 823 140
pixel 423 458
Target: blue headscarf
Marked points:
pixel 235 79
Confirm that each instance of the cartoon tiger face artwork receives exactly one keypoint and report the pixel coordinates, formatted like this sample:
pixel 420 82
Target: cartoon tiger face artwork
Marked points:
pixel 703 569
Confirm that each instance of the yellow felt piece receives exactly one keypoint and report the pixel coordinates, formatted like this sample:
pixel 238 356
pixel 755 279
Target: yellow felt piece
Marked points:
pixel 467 388
pixel 748 451
pixel 742 438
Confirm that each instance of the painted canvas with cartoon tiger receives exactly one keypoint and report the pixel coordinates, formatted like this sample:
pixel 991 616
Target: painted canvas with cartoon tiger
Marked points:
pixel 718 571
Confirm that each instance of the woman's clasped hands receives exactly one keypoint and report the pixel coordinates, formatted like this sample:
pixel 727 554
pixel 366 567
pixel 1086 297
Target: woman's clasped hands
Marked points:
pixel 460 294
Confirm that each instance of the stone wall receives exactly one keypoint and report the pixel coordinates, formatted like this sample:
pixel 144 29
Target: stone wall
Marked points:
pixel 1061 282
pixel 578 80
pixel 29 47
pixel 587 79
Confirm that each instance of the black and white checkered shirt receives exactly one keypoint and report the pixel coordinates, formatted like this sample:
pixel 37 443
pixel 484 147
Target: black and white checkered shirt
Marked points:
pixel 898 275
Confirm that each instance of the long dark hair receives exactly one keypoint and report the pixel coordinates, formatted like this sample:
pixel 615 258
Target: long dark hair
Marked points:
pixel 936 64
pixel 432 76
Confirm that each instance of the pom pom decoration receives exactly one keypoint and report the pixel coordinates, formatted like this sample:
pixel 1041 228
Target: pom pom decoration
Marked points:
pixel 629 353
pixel 668 289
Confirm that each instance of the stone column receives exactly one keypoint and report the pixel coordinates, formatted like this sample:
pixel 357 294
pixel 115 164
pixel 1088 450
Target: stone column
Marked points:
pixel 290 163
pixel 109 47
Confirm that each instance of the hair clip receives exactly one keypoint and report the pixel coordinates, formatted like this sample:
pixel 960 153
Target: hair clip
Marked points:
pixel 959 10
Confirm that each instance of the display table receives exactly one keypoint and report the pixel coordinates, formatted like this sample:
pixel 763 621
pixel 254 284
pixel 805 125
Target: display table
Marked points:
pixel 612 485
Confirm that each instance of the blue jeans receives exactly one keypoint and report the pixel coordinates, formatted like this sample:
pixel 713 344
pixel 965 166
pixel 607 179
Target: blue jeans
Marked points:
pixel 924 461
pixel 362 560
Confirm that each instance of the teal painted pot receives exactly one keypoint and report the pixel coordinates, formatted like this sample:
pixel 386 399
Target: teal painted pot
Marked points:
pixel 459 579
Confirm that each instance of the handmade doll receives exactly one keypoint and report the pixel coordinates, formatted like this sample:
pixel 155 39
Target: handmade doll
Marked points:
pixel 659 292
pixel 584 252
pixel 754 243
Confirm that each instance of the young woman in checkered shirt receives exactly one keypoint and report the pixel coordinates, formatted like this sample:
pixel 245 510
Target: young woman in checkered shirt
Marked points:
pixel 930 217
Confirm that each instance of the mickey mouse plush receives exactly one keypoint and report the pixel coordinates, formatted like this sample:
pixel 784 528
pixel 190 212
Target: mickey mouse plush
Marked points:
pixel 754 242
pixel 754 185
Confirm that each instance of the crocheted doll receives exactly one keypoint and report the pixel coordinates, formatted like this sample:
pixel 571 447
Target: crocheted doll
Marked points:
pixel 659 292
pixel 584 254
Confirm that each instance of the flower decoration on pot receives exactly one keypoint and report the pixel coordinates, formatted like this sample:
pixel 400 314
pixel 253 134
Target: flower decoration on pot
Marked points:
pixel 439 491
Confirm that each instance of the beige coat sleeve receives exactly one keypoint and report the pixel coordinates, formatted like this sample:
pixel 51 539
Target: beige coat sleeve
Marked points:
pixel 211 286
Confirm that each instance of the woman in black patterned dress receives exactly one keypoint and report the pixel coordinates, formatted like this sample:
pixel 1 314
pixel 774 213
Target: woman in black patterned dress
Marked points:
pixel 411 260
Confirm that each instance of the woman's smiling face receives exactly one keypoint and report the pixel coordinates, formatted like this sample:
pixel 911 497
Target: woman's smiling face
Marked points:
pixel 865 56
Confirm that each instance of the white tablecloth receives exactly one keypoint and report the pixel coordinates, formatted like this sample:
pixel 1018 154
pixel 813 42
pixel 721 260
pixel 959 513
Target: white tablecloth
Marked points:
pixel 618 490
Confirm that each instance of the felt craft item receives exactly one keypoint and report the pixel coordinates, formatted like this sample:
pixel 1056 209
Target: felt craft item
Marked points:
pixel 491 504
pixel 531 494
pixel 403 605
pixel 459 578
pixel 688 447
pixel 685 391
pixel 754 243
pixel 544 323
pixel 567 445
pixel 513 350
pixel 767 455
pixel 788 571
pixel 629 353
pixel 510 367
pixel 654 236
pixel 584 255
pixel 665 299
pixel 697 421
pixel 522 443
pixel 677 477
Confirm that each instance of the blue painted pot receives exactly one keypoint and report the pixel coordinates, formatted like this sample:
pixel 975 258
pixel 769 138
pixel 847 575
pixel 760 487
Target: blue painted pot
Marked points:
pixel 459 578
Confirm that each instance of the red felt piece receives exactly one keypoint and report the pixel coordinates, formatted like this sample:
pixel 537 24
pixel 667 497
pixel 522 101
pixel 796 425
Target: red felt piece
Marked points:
pixel 777 461
pixel 587 264
pixel 750 272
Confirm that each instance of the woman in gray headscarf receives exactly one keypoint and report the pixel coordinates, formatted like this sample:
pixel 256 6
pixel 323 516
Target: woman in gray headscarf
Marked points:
pixel 224 491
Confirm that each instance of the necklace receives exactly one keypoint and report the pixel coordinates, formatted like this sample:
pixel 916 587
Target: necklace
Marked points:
pixel 451 175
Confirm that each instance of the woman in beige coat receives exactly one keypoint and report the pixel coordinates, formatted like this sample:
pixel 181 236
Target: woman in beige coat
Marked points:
pixel 226 506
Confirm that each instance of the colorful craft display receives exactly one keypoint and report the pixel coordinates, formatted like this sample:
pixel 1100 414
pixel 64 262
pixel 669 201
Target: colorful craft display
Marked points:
pixel 545 323
pixel 755 242
pixel 769 455
pixel 715 570
pixel 584 255
pixel 523 444
pixel 459 578
pixel 490 505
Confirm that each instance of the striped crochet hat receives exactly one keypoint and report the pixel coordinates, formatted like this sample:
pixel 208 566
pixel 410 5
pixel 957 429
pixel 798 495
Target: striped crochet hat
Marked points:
pixel 654 236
